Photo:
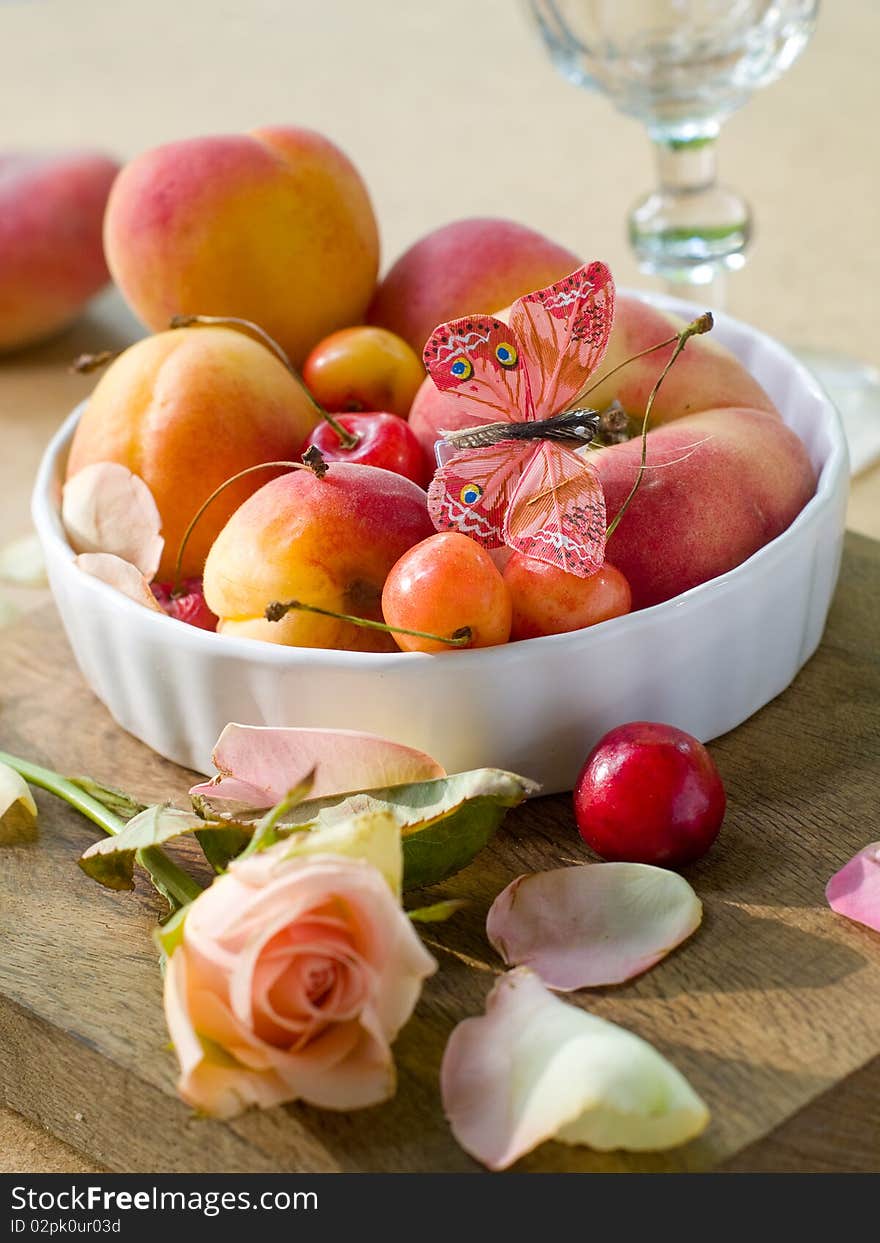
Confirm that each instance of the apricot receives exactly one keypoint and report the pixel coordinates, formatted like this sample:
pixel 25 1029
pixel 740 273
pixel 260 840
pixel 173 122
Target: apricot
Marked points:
pixel 468 266
pixel 51 259
pixel 186 410
pixel 275 226
pixel 327 542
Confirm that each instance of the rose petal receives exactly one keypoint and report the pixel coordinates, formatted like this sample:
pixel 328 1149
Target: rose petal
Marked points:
pixel 854 891
pixel 105 508
pixel 18 811
pixel 22 562
pixel 120 574
pixel 594 924
pixel 534 1068
pixel 260 762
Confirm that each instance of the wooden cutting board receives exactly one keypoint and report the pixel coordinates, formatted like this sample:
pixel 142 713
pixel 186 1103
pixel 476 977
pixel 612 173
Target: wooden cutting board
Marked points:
pixel 772 1009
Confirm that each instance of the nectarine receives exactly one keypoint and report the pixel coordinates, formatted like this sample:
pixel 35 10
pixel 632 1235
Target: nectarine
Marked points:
pixel 467 266
pixel 51 260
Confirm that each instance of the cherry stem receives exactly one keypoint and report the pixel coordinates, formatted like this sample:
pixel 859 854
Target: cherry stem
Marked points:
pixel 84 363
pixel 347 439
pixel 279 608
pixel 315 464
pixel 626 362
pixel 703 323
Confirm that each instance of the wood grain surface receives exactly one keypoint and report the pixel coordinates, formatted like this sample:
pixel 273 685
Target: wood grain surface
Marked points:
pixel 772 1009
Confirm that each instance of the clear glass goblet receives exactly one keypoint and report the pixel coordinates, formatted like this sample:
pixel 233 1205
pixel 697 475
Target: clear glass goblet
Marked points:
pixel 681 67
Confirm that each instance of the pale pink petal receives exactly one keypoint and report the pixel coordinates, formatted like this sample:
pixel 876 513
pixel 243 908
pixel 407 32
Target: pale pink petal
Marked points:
pixel 212 1079
pixel 105 508
pixel 237 794
pixel 534 1068
pixel 854 891
pixel 273 761
pixel 594 924
pixel 119 574
pixel 22 562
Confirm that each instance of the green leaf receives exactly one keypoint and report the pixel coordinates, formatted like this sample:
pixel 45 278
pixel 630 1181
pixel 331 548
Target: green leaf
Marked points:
pixel 437 912
pixel 444 823
pixel 221 843
pixel 111 861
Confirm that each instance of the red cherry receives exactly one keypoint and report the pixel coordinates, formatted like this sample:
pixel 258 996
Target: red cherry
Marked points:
pixel 384 440
pixel 649 793
pixel 187 604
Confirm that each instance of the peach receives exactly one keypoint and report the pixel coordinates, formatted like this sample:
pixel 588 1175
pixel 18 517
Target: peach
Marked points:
pixel 467 266
pixel 186 410
pixel 328 542
pixel 736 475
pixel 705 376
pixel 51 260
pixel 737 478
pixel 274 226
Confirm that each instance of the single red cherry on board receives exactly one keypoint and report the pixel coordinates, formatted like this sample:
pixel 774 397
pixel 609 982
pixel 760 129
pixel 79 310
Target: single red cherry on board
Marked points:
pixel 187 604
pixel 649 793
pixel 384 440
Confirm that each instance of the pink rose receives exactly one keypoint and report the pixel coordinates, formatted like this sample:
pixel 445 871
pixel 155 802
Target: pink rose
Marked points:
pixel 293 977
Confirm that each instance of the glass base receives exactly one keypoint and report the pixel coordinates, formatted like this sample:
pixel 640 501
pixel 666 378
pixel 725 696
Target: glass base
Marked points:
pixel 854 388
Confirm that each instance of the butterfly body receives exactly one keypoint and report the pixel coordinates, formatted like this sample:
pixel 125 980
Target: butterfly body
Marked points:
pixel 575 427
pixel 514 477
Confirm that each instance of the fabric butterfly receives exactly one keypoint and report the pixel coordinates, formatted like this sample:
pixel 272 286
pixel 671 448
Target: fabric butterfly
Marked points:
pixel 517 481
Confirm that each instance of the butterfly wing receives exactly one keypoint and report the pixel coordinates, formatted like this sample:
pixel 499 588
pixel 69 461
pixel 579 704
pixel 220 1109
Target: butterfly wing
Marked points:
pixel 557 511
pixel 479 361
pixel 564 331
pixel 473 491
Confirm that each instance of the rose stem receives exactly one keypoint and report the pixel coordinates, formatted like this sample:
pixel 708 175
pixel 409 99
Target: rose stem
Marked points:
pixel 178 883
pixel 701 324
pixel 347 439
pixel 277 609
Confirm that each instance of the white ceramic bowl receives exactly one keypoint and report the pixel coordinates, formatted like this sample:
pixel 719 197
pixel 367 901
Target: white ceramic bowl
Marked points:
pixel 704 661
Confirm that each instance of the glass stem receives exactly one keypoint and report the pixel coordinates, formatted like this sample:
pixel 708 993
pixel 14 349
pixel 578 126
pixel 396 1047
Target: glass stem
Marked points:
pixel 690 230
pixel 686 169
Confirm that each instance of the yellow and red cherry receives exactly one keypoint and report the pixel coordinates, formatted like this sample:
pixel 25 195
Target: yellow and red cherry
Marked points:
pixel 363 368
pixel 547 600
pixel 380 439
pixel 445 585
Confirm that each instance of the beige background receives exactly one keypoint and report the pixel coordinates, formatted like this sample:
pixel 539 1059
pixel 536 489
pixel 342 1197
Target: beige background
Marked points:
pixel 448 110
